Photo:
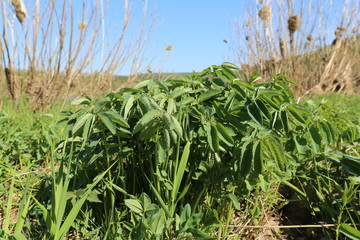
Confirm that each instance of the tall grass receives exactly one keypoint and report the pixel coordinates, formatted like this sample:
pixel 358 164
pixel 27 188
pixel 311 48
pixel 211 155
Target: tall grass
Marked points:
pixel 50 48
pixel 315 43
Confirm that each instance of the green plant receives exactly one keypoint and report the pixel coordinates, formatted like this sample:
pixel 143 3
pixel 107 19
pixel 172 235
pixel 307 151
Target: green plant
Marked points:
pixel 239 131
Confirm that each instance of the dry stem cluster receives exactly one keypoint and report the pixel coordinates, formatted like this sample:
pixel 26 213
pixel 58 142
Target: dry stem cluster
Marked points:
pixel 50 50
pixel 313 42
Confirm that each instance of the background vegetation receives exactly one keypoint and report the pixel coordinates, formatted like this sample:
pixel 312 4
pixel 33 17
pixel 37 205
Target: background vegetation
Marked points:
pixel 220 154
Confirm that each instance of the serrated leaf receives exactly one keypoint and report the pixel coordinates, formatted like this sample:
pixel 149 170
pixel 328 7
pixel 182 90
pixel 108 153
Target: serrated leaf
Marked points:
pixel 275 150
pixel 179 91
pixel 244 84
pixel 146 119
pixel 315 139
pixel 257 152
pixel 209 94
pixel 80 122
pixel 171 108
pixel 239 91
pixel 263 109
pixel 117 118
pixel 107 121
pixel 293 111
pixel 128 105
pixel 230 65
pixel 271 102
pixel 246 159
pixel 254 113
pixel 225 134
pixel 213 137
pixel 176 126
pixel 284 121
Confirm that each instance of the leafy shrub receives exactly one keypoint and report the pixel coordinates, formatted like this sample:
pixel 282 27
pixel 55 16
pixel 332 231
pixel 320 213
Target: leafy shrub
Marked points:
pixel 191 142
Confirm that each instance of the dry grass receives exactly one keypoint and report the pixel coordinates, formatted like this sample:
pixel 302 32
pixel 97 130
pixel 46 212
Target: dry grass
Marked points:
pixel 310 41
pixel 55 50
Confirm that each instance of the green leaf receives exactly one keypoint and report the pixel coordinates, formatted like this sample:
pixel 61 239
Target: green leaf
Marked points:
pixel 176 126
pixel 255 114
pixel 134 205
pixel 180 171
pixel 179 91
pixel 272 103
pixel 284 121
pixel 315 139
pixel 128 105
pixel 230 65
pixel 239 91
pixel 349 231
pixel 296 110
pixel 157 222
pixel 69 220
pixel 275 150
pixel 104 117
pixel 117 118
pixel 263 109
pixel 246 159
pixel 209 94
pixel 82 101
pixel 234 200
pixel 80 122
pixel 146 119
pixel 224 134
pixel 257 152
pixel 213 137
pixel 244 84
pixel 18 236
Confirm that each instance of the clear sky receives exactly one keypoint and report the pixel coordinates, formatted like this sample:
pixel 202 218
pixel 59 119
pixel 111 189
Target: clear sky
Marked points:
pixel 196 30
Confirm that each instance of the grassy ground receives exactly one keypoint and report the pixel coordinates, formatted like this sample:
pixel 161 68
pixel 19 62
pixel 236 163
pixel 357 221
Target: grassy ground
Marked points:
pixel 32 179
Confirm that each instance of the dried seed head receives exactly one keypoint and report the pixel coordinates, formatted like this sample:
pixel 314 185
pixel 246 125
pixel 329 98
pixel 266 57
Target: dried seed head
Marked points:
pixel 247 38
pixel 82 26
pixel 338 34
pixel 355 30
pixel 261 1
pixel 265 13
pixel 310 38
pixel 248 23
pixel 341 29
pixel 294 23
pixel 169 48
pixel 20 9
pixel 225 41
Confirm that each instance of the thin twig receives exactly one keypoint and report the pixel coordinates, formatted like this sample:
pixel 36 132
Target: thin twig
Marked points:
pixel 293 226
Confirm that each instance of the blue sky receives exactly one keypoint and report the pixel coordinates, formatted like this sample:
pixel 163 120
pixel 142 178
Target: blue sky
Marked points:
pixel 195 29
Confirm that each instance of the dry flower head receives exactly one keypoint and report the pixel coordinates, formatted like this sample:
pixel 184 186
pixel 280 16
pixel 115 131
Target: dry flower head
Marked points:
pixel 265 13
pixel 294 23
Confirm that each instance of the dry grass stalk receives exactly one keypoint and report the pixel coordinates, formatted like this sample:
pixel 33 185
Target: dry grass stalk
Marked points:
pixel 283 49
pixel 20 9
pixel 305 55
